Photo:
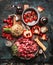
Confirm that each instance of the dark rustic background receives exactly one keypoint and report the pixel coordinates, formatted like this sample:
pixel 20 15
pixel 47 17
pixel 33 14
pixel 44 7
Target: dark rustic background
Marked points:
pixel 5 10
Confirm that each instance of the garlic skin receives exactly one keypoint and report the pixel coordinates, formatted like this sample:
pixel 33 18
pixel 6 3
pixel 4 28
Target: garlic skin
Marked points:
pixel 40 51
pixel 8 43
pixel 44 29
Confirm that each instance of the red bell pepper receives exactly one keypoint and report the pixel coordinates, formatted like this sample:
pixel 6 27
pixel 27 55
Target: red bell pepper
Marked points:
pixel 36 29
pixel 27 34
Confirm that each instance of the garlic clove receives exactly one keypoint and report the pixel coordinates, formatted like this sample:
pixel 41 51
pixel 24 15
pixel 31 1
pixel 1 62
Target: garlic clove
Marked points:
pixel 44 29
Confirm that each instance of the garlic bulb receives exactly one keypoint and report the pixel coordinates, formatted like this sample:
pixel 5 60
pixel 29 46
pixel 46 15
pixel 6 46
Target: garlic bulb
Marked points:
pixel 8 43
pixel 40 51
pixel 44 29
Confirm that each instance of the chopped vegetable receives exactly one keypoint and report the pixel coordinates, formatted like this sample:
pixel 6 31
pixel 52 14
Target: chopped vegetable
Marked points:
pixel 44 37
pixel 40 8
pixel 36 30
pixel 27 34
pixel 26 6
pixel 44 29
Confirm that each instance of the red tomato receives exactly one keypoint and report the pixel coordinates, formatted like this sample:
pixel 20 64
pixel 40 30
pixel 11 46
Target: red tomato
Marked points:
pixel 9 18
pixel 32 13
pixel 6 26
pixel 10 38
pixel 8 35
pixel 29 14
pixel 9 26
pixel 8 21
pixel 24 16
pixel 36 30
pixel 44 37
pixel 3 34
pixel 5 21
pixel 26 20
pixel 31 19
pixel 35 17
pixel 11 22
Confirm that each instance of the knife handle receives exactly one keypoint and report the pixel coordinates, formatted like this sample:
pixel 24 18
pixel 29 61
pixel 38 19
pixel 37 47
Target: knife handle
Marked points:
pixel 40 44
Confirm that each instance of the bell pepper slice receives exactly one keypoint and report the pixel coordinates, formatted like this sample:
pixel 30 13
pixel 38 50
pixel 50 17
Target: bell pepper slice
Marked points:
pixel 27 33
pixel 36 30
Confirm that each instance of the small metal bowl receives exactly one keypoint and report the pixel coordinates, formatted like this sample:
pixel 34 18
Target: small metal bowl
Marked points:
pixel 34 22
